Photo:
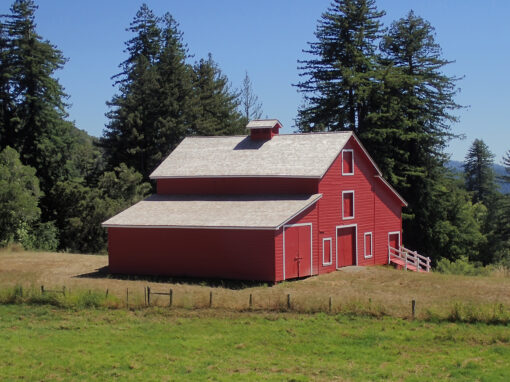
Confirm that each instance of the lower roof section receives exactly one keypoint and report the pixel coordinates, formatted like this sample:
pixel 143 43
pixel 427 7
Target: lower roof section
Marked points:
pixel 213 211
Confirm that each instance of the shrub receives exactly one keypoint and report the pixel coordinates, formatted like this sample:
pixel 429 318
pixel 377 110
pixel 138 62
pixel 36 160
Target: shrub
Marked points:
pixel 462 266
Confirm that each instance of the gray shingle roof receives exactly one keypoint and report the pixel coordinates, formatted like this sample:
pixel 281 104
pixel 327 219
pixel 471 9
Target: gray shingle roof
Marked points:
pixel 289 155
pixel 262 124
pixel 225 211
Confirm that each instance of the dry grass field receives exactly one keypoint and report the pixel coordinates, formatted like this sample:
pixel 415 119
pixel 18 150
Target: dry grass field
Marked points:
pixel 372 290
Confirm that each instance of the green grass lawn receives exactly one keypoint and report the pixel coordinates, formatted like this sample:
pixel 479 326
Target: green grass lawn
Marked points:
pixel 47 343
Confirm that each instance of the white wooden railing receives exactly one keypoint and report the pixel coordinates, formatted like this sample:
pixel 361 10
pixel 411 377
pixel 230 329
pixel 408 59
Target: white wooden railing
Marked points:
pixel 409 259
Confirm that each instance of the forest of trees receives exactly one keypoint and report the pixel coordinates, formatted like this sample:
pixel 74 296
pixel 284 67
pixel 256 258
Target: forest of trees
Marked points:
pixel 387 84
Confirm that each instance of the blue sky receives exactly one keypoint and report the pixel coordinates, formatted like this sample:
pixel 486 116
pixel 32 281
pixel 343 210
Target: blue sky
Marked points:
pixel 266 38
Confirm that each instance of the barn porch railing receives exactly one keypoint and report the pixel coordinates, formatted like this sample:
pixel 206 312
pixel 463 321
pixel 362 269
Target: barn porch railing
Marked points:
pixel 409 260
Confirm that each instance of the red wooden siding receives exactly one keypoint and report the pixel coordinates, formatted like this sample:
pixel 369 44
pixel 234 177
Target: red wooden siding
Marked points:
pixel 236 186
pixel 262 134
pixel 213 253
pixel 376 208
pixel 388 217
pixel 306 217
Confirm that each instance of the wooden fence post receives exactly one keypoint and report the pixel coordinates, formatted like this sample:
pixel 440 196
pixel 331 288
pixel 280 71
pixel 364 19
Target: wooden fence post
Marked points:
pixel 210 299
pixel 127 297
pixel 42 289
pixel 288 301
pixel 64 290
pixel 149 295
pixel 171 297
pixel 106 292
pixel 330 304
pixel 251 301
pixel 413 308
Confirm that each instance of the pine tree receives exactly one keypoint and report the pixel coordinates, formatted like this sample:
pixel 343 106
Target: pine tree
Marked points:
pixel 339 79
pixel 216 105
pixel 397 99
pixel 6 101
pixel 506 164
pixel 410 122
pixel 250 106
pixel 479 172
pixel 36 124
pixel 175 97
pixel 148 117
pixel 131 116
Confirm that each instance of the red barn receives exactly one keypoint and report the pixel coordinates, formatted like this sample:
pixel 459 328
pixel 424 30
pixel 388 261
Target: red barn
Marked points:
pixel 266 207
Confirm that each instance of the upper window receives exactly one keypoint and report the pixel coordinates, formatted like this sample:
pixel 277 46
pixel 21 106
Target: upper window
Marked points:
pixel 347 162
pixel 327 258
pixel 348 204
pixel 368 245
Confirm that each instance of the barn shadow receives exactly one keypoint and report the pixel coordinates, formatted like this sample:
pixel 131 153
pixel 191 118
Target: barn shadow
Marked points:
pixel 104 273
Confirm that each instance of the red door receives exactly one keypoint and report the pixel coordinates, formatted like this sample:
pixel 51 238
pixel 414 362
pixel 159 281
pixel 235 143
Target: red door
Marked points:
pixel 394 240
pixel 346 250
pixel 297 251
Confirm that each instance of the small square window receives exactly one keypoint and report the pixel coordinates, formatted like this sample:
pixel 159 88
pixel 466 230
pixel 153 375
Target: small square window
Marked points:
pixel 348 205
pixel 347 162
pixel 327 258
pixel 368 245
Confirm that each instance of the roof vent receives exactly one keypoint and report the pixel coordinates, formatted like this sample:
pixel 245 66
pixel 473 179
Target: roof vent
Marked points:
pixel 263 129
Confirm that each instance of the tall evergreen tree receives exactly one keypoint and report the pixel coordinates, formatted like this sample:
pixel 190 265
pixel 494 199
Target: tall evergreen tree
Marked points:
pixel 175 96
pixel 216 104
pixel 410 123
pixel 397 99
pixel 412 113
pixel 478 169
pixel 131 113
pixel 148 117
pixel 6 101
pixel 250 106
pixel 506 164
pixel 339 78
pixel 36 124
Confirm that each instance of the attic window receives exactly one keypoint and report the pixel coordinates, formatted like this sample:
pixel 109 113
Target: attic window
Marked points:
pixel 347 162
pixel 347 205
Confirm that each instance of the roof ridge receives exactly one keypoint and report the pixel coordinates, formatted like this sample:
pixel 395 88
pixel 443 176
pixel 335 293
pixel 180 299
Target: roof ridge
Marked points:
pixel 275 136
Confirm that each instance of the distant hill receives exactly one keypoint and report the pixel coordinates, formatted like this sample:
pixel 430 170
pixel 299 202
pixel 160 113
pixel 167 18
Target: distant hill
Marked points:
pixel 499 170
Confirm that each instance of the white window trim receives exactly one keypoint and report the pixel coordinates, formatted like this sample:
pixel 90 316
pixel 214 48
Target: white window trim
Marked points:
pixel 352 162
pixel 311 245
pixel 355 241
pixel 343 205
pixel 389 234
pixel 330 251
pixel 365 245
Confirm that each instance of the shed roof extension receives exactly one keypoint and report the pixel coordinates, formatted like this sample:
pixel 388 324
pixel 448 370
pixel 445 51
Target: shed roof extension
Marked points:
pixel 286 155
pixel 220 212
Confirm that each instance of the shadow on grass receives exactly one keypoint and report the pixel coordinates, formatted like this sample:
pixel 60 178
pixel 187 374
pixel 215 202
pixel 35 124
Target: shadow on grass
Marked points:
pixel 103 273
